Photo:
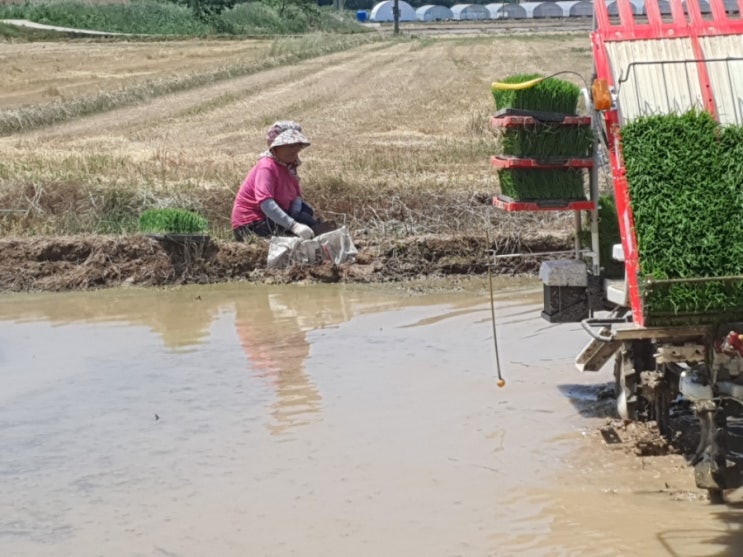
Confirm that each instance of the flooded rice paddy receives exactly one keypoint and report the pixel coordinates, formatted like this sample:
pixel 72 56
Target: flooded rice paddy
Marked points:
pixel 250 420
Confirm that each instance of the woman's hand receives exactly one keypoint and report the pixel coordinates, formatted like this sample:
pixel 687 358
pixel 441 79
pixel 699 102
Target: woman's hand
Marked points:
pixel 302 230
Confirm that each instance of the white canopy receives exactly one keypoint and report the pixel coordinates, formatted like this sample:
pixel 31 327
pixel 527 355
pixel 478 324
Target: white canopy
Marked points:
pixel 469 11
pixel 429 12
pixel 383 11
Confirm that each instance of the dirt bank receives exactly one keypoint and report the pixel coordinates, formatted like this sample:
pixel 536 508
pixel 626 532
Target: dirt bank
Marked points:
pixel 81 262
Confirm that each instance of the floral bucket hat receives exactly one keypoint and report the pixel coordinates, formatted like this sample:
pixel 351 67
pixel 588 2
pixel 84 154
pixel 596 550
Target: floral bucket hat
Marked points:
pixel 286 132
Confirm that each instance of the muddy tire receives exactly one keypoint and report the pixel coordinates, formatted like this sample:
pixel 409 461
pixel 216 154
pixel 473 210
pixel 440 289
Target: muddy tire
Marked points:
pixel 635 357
pixel 716 496
pixel 662 412
pixel 625 388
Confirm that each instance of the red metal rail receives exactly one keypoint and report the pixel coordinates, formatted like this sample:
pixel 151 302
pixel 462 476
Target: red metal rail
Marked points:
pixel 506 161
pixel 512 121
pixel 508 204
pixel 685 22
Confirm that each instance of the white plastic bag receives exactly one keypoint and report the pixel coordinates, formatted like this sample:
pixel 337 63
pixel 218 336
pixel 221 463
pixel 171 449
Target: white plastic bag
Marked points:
pixel 335 246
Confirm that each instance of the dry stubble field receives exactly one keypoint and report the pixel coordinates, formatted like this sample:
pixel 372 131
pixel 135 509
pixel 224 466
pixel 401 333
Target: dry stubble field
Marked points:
pixel 400 153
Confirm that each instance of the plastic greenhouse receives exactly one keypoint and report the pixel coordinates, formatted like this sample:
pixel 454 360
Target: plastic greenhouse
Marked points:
pixel 383 11
pixel 429 12
pixel 469 12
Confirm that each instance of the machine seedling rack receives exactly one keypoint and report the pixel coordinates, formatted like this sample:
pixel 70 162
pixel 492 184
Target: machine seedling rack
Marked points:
pixel 555 122
pixel 679 56
pixel 675 58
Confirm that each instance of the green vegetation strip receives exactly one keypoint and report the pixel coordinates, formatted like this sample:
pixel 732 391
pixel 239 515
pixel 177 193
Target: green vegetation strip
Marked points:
pixel 183 17
pixel 608 236
pixel 172 221
pixel 536 184
pixel 549 95
pixel 685 176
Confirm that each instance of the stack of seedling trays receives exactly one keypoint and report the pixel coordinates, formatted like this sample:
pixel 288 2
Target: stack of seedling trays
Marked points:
pixel 544 148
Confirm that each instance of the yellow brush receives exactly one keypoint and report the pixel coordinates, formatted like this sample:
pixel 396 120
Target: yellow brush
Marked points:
pixel 500 86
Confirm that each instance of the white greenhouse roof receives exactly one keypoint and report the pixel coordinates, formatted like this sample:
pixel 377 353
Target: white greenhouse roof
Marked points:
pixel 542 9
pixel 431 12
pixel 493 10
pixel 512 11
pixel 578 8
pixel 383 11
pixel 470 11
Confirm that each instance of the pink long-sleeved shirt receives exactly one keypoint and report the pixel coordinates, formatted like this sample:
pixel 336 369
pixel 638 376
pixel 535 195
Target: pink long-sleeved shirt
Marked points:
pixel 268 179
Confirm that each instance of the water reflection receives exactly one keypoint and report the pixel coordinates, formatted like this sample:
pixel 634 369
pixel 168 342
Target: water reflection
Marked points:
pixel 272 330
pixel 271 327
pixel 286 406
pixel 180 317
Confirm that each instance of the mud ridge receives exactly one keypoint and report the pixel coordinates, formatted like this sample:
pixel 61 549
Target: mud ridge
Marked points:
pixel 84 262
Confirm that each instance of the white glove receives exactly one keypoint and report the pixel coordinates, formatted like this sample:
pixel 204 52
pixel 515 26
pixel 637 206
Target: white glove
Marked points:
pixel 302 230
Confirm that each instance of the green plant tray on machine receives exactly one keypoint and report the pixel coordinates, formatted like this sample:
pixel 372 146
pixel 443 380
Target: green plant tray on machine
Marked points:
pixel 535 184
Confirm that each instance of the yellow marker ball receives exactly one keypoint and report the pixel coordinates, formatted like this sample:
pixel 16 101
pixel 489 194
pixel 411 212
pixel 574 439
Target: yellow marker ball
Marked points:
pixel 501 383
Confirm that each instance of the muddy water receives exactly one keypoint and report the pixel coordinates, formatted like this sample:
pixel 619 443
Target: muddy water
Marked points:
pixel 316 421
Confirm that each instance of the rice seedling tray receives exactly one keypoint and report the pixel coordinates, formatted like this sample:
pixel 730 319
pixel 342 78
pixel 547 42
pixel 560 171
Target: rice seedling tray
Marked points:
pixel 505 161
pixel 698 300
pixel 542 116
pixel 544 94
pixel 542 184
pixel 553 142
pixel 509 204
pixel 507 119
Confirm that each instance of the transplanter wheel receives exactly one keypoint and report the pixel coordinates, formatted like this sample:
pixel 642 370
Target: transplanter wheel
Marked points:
pixel 661 408
pixel 625 387
pixel 716 496
pixel 635 357
pixel 712 471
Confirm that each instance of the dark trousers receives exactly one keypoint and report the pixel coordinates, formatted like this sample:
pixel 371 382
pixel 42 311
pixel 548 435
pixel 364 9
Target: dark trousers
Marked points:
pixel 267 227
pixel 306 215
pixel 264 228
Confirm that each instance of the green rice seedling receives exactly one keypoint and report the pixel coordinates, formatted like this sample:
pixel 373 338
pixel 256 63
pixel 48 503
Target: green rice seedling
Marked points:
pixel 549 95
pixel 608 236
pixel 536 184
pixel 546 140
pixel 172 221
pixel 692 303
pixel 685 176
